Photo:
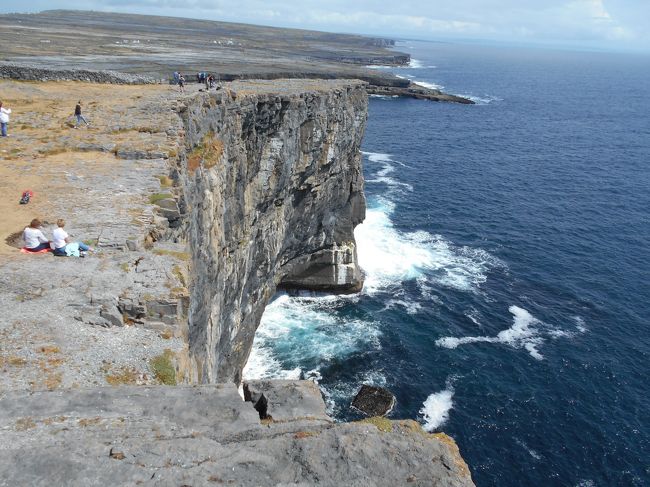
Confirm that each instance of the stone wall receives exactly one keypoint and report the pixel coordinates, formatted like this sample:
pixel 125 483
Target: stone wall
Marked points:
pixel 273 189
pixel 29 72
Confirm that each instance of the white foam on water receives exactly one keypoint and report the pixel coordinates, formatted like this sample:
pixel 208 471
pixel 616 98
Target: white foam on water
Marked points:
pixel 384 97
pixel 431 86
pixel 415 64
pixel 305 330
pixel 530 451
pixel 388 257
pixel 580 324
pixel 524 333
pixel 411 307
pixel 481 100
pixel 436 407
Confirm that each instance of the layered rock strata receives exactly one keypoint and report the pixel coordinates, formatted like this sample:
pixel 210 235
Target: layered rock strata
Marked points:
pixel 273 189
pixel 208 436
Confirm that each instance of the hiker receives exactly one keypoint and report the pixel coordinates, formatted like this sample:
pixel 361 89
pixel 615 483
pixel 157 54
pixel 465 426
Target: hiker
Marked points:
pixel 181 83
pixel 63 247
pixel 80 117
pixel 176 77
pixel 211 81
pixel 35 241
pixel 4 119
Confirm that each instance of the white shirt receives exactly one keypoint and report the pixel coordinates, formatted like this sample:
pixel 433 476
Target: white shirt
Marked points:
pixel 4 114
pixel 58 238
pixel 33 237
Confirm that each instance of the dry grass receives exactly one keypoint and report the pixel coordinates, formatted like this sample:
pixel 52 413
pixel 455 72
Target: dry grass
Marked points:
pixel 207 153
pixel 184 256
pixel 123 376
pixel 382 424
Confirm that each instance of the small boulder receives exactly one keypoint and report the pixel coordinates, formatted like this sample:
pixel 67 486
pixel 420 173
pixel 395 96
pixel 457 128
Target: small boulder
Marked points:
pixel 373 401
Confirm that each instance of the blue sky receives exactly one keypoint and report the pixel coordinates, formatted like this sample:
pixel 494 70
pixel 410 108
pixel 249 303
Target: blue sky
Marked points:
pixel 613 24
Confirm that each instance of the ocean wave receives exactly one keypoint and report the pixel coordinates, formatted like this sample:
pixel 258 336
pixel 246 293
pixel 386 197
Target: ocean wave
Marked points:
pixel 436 407
pixel 298 334
pixel 415 64
pixel 480 100
pixel 429 85
pixel 388 257
pixel 384 97
pixel 526 332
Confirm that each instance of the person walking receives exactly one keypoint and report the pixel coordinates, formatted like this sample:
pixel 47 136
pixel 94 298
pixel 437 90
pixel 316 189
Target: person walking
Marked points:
pixel 4 119
pixel 80 117
pixel 181 83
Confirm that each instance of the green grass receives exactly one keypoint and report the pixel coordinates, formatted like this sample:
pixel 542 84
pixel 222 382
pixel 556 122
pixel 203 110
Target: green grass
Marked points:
pixel 163 368
pixel 156 197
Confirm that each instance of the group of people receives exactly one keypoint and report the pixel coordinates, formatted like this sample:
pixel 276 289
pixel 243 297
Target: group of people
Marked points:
pixel 61 244
pixel 5 112
pixel 209 80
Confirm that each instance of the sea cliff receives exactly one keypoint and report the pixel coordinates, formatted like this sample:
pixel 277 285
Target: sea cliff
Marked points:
pixel 273 188
pixel 200 205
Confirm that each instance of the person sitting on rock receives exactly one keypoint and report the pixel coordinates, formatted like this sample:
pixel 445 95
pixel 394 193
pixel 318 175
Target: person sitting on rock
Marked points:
pixel 35 241
pixel 63 247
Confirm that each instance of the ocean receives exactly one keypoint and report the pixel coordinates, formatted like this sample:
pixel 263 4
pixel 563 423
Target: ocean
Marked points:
pixel 507 260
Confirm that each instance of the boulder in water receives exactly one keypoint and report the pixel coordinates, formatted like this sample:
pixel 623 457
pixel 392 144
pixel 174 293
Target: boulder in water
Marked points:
pixel 373 401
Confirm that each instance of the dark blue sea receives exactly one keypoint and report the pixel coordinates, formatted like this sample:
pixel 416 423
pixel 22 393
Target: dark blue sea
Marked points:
pixel 507 255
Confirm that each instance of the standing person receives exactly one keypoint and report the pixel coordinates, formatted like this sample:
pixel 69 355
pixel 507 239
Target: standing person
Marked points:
pixel 80 117
pixel 4 119
pixel 181 83
pixel 35 241
pixel 62 244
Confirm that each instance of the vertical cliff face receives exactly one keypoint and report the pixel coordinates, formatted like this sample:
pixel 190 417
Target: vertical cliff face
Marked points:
pixel 273 189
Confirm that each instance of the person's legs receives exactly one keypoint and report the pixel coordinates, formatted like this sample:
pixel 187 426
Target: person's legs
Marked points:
pixel 81 117
pixel 60 252
pixel 42 246
pixel 83 247
pixel 4 129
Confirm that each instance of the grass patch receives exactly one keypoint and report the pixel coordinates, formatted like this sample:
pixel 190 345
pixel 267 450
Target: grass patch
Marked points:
pixel 124 376
pixel 125 266
pixel 382 424
pixel 25 424
pixel 156 197
pixel 49 349
pixel 91 242
pixel 165 181
pixel 305 434
pixel 207 153
pixel 163 368
pixel 184 256
pixel 178 273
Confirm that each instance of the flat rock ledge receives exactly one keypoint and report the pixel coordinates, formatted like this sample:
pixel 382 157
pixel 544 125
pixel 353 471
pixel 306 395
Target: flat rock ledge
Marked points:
pixel 208 435
pixel 416 91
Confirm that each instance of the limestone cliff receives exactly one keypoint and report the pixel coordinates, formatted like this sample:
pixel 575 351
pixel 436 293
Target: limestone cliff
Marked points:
pixel 273 189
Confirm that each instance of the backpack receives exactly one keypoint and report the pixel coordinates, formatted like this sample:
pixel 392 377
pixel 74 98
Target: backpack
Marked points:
pixel 27 194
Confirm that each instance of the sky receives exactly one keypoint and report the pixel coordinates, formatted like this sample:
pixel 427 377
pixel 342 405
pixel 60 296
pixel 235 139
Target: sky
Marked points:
pixel 602 24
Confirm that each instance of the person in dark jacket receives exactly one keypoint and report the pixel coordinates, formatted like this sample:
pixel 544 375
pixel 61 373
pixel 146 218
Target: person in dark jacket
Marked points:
pixel 80 117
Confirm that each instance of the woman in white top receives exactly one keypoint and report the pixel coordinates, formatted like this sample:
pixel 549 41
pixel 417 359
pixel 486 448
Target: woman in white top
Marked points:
pixel 61 239
pixel 35 241
pixel 4 119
